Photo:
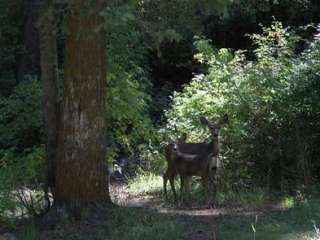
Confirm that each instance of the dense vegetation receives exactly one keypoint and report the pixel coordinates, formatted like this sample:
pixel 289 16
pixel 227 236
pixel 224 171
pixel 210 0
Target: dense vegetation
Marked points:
pixel 170 62
pixel 273 104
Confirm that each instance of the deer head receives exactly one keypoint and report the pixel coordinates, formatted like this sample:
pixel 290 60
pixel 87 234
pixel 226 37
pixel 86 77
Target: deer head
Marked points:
pixel 214 127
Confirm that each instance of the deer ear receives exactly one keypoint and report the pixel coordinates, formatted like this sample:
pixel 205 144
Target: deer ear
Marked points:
pixel 204 121
pixel 225 119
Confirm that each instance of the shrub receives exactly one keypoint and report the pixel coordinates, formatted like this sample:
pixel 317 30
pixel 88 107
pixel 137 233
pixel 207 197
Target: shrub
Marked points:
pixel 21 175
pixel 272 104
pixel 21 124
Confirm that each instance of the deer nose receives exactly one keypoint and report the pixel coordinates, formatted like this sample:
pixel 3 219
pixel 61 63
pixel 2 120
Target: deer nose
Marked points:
pixel 216 132
pixel 175 148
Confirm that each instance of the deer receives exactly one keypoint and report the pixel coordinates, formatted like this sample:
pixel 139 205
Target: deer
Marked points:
pixel 194 159
pixel 170 155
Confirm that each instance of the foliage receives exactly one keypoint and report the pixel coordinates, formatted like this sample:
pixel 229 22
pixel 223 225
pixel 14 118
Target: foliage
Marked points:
pixel 129 124
pixel 21 124
pixel 10 42
pixel 21 152
pixel 20 172
pixel 174 20
pixel 267 103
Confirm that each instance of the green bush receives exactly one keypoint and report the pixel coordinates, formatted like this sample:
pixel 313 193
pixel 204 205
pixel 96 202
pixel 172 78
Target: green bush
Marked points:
pixel 21 122
pixel 20 172
pixel 128 120
pixel 21 151
pixel 272 103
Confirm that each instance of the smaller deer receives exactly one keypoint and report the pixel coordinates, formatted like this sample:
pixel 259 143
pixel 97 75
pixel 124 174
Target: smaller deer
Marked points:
pixel 195 159
pixel 170 155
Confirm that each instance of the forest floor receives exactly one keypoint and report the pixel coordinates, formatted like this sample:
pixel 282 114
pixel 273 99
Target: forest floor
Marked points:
pixel 141 213
pixel 258 218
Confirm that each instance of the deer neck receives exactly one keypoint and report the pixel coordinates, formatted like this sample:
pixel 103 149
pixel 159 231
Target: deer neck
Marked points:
pixel 215 146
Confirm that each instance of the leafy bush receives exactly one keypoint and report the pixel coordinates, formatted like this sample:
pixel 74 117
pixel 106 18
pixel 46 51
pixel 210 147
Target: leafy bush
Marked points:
pixel 273 104
pixel 21 153
pixel 129 125
pixel 21 174
pixel 10 42
pixel 21 124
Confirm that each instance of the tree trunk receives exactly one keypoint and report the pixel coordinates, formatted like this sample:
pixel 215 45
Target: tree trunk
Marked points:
pixel 81 176
pixel 303 162
pixel 49 77
pixel 276 172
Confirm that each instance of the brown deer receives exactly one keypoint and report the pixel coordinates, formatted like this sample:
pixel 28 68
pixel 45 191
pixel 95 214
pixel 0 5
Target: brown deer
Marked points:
pixel 195 159
pixel 170 155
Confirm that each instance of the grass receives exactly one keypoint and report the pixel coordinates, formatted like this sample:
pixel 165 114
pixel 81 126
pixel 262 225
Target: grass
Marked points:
pixel 144 224
pixel 135 223
pixel 147 183
pixel 29 232
pixel 293 224
pixel 119 223
pixel 151 184
pixel 297 219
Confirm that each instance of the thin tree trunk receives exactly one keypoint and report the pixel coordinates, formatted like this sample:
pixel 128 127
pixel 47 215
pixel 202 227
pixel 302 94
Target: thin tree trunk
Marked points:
pixel 276 176
pixel 303 163
pixel 49 73
pixel 81 176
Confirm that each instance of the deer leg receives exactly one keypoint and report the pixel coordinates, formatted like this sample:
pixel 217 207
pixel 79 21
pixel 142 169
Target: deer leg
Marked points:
pixel 171 180
pixel 212 187
pixel 182 187
pixel 213 179
pixel 165 180
pixel 186 189
pixel 181 184
pixel 205 187
pixel 169 175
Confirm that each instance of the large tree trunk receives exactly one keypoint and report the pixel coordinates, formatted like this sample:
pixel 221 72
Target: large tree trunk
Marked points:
pixel 49 73
pixel 81 176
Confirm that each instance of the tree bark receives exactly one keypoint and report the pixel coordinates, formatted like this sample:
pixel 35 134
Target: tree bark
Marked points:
pixel 81 176
pixel 49 77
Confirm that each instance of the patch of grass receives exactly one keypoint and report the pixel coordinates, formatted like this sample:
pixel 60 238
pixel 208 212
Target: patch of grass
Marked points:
pixel 288 202
pixel 29 232
pixel 151 184
pixel 119 223
pixel 297 220
pixel 294 224
pixel 253 199
pixel 144 224
pixel 147 183
pixel 297 223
